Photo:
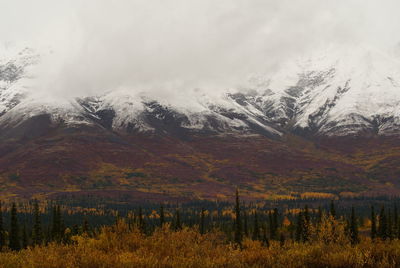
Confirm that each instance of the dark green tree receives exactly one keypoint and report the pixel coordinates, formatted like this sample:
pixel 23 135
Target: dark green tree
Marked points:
pixel 299 227
pixel 178 223
pixel 389 225
pixel 353 228
pixel 373 223
pixel 25 240
pixel 202 224
pixel 245 224
pixel 332 210
pixel 382 228
pixel 37 235
pixel 2 232
pixel 162 216
pixel 256 227
pixel 14 239
pixel 238 222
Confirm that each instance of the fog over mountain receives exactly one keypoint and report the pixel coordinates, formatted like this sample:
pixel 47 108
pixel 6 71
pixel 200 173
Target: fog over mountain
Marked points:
pixel 171 48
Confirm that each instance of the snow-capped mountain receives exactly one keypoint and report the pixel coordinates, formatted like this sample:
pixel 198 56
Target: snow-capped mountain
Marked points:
pixel 338 92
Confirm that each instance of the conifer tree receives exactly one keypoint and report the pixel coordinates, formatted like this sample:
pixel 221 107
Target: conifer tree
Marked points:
pixel 37 235
pixel 85 226
pixel 373 223
pixel 2 232
pixel 275 223
pixel 245 224
pixel 256 230
pixel 389 225
pixel 306 222
pixel 178 224
pixel 332 209
pixel 162 216
pixel 282 239
pixel 319 215
pixel 382 228
pixel 141 221
pixel 14 242
pixel 299 227
pixel 265 240
pixel 238 222
pixel 24 236
pixel 202 225
pixel 395 221
pixel 353 230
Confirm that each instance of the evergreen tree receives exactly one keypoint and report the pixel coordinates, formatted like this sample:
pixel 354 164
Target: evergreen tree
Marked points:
pixel 382 228
pixel 238 222
pixel 245 224
pixel 319 215
pixel 389 225
pixel 37 235
pixel 353 230
pixel 162 216
pixel 256 230
pixel 299 227
pixel 141 221
pixel 332 209
pixel 202 225
pixel 2 232
pixel 178 224
pixel 275 223
pixel 85 226
pixel 306 224
pixel 265 240
pixel 24 237
pixel 14 242
pixel 282 239
pixel 395 221
pixel 373 223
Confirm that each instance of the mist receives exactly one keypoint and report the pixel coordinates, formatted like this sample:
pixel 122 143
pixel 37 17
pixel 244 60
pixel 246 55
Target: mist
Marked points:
pixel 174 47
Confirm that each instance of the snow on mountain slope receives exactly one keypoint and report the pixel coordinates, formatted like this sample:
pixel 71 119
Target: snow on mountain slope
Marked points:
pixel 339 91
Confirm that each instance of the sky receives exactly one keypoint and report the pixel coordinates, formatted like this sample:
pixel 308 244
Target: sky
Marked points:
pixel 175 46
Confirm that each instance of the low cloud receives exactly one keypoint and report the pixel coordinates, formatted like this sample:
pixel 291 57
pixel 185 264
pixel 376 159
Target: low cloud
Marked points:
pixel 173 47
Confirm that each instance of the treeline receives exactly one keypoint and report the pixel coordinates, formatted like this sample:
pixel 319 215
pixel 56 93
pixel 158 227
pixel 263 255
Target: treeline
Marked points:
pixel 301 225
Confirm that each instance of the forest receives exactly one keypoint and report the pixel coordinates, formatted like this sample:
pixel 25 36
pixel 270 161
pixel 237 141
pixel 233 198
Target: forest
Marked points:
pixel 363 232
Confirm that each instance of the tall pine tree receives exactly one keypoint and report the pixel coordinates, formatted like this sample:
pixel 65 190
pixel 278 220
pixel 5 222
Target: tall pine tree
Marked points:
pixel 2 232
pixel 373 223
pixel 37 235
pixel 238 222
pixel 256 229
pixel 353 229
pixel 14 240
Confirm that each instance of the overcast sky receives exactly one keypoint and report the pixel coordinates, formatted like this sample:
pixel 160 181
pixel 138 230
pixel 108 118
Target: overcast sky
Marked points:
pixel 160 44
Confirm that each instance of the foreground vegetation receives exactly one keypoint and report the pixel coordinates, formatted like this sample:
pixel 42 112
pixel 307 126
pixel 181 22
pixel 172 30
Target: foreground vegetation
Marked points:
pixel 241 236
pixel 120 246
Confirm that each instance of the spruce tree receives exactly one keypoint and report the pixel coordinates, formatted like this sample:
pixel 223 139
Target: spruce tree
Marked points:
pixel 373 223
pixel 306 224
pixel 178 224
pixel 299 227
pixel 162 216
pixel 282 239
pixel 389 225
pixel 24 237
pixel 202 224
pixel 245 224
pixel 382 228
pixel 37 235
pixel 353 230
pixel 256 230
pixel 395 221
pixel 2 232
pixel 265 240
pixel 85 226
pixel 14 242
pixel 238 222
pixel 332 209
